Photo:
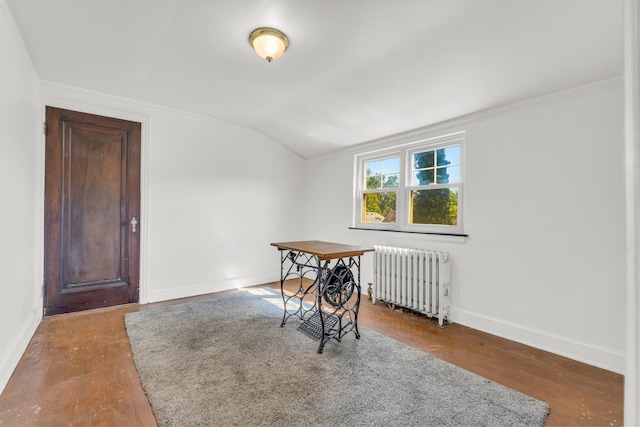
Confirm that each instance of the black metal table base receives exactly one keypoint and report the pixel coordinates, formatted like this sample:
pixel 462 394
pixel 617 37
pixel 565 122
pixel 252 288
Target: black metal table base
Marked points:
pixel 334 292
pixel 313 325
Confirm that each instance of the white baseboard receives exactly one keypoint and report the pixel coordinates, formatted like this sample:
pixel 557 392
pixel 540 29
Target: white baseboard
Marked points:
pixel 590 354
pixel 209 287
pixel 10 359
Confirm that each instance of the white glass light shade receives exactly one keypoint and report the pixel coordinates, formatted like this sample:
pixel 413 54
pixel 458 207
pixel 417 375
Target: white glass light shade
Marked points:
pixel 269 43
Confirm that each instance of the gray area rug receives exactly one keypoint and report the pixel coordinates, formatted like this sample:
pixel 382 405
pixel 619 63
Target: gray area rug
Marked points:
pixel 226 361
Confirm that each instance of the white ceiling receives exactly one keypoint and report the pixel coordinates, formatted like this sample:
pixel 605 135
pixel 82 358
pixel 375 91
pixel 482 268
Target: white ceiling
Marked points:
pixel 355 70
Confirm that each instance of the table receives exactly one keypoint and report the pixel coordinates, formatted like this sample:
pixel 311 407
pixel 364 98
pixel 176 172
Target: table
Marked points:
pixel 328 307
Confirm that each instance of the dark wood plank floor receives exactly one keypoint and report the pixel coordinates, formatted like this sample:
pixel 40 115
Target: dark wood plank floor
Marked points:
pixel 78 370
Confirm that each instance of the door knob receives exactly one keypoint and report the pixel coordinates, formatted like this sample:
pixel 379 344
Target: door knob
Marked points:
pixel 133 223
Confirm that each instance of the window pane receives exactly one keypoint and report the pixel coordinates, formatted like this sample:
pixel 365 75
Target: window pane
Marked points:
pixel 379 207
pixel 382 173
pixel 372 168
pixel 449 156
pixel 434 207
pixel 424 177
pixel 374 182
pixel 423 160
pixel 448 175
pixel 391 181
pixel 373 179
pixel 391 165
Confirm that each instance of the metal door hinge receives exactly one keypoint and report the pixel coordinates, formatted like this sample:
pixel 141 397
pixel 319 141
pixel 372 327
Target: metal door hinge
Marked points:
pixel 46 128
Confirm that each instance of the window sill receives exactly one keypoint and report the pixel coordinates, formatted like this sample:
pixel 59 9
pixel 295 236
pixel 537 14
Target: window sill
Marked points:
pixel 454 236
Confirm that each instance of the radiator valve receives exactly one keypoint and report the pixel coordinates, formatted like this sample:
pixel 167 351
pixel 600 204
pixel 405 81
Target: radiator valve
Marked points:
pixel 369 291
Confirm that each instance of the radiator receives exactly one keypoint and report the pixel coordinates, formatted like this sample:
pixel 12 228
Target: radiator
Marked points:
pixel 415 279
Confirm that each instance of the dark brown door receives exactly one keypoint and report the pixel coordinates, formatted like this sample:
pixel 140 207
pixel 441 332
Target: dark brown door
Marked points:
pixel 92 195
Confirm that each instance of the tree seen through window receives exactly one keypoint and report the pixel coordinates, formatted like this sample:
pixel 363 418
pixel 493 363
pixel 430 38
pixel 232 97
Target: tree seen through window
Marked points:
pixel 435 206
pixel 381 174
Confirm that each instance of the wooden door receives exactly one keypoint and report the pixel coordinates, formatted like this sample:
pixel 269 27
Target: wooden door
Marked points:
pixel 92 195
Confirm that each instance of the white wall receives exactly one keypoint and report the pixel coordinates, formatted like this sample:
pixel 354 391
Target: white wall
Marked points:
pixel 544 210
pixel 218 196
pixel 20 302
pixel 214 196
pixel 632 166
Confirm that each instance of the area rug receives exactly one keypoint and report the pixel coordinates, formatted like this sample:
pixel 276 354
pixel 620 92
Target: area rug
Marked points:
pixel 227 362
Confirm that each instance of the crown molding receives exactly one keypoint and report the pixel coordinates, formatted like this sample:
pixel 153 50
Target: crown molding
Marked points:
pixel 6 11
pixel 60 93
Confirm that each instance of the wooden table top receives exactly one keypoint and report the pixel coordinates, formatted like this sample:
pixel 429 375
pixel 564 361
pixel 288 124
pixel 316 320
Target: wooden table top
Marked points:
pixel 324 250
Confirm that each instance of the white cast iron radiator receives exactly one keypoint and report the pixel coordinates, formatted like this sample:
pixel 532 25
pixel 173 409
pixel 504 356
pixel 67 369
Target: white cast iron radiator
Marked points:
pixel 416 279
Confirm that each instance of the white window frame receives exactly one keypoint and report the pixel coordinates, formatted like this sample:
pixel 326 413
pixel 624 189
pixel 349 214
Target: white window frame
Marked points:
pixel 361 190
pixel 405 185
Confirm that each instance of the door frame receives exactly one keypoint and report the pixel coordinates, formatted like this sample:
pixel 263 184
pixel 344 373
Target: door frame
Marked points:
pixel 143 119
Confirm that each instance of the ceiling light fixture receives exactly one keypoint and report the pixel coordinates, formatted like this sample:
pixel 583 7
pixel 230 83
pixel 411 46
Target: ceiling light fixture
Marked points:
pixel 268 43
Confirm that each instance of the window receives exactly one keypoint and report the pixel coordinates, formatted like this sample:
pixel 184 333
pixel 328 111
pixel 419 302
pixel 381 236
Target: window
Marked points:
pixel 416 187
pixel 382 177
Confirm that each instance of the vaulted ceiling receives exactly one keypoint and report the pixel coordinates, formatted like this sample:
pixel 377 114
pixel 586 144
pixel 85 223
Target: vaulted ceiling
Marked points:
pixel 355 70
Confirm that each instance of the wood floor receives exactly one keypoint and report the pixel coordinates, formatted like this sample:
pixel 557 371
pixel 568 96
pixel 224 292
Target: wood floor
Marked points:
pixel 78 370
